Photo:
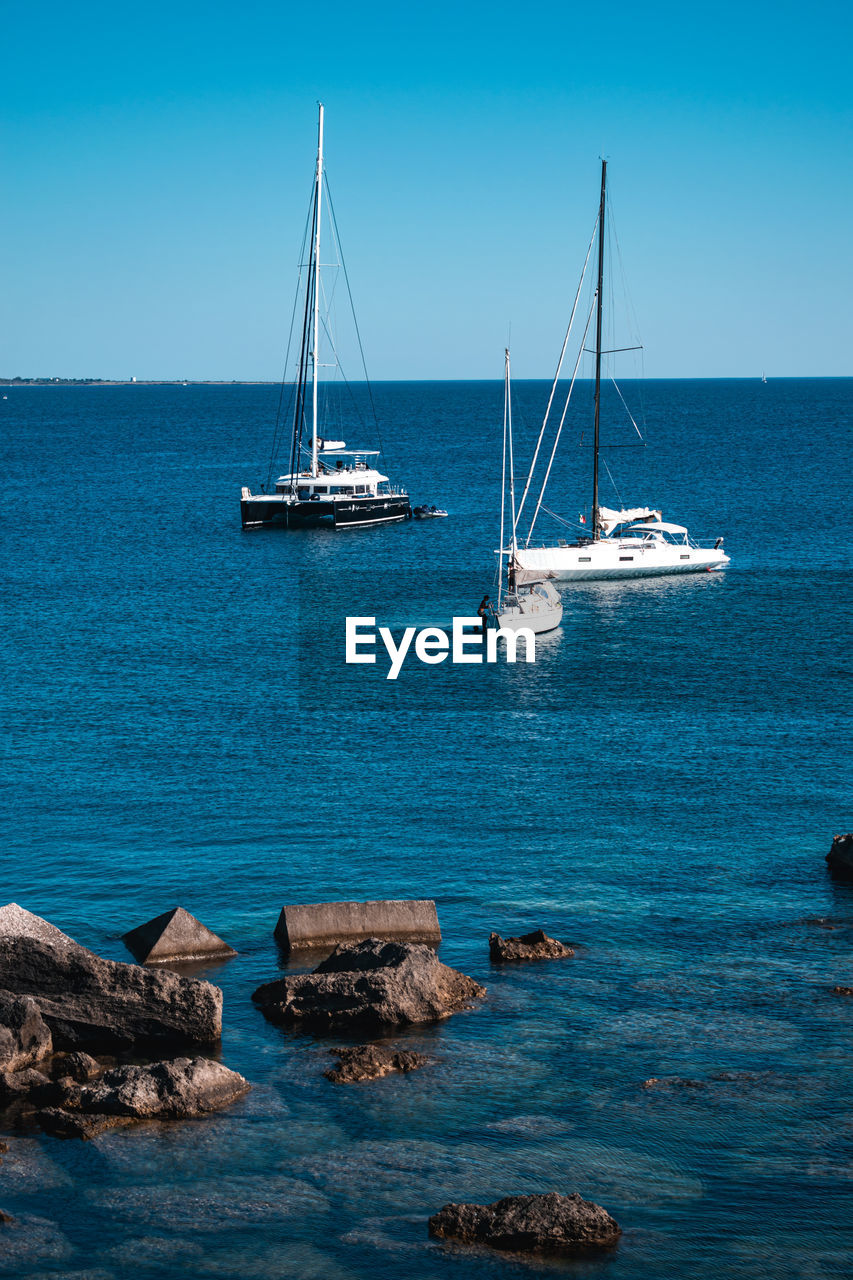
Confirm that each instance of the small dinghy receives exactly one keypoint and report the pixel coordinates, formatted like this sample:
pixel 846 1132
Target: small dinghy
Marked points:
pixel 427 513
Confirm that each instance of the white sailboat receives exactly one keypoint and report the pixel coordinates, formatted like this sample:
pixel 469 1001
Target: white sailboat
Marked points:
pixel 529 599
pixel 327 484
pixel 628 543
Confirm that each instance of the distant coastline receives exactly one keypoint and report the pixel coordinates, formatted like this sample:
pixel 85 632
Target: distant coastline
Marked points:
pixel 135 382
pixel 271 382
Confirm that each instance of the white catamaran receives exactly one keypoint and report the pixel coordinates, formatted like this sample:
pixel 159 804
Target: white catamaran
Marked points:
pixel 529 599
pixel 327 484
pixel 628 543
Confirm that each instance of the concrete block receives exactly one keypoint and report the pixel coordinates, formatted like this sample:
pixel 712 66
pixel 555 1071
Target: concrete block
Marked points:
pixel 174 937
pixel 326 924
pixel 17 922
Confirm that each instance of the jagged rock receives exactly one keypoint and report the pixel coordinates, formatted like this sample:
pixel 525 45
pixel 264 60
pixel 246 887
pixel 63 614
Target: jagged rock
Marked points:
pixel 174 937
pixel 842 991
pixel 530 946
pixel 81 1066
pixel 550 1224
pixel 371 1062
pixel 92 1003
pixel 178 1090
pixel 15 1085
pixel 840 856
pixel 24 1035
pixel 5 1218
pixel 372 984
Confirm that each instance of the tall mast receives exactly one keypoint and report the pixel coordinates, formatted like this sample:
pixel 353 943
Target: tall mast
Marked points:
pixel 513 545
pixel 315 340
pixel 596 533
pixel 503 483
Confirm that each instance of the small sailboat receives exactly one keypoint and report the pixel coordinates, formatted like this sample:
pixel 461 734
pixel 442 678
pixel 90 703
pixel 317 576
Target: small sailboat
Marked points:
pixel 626 543
pixel 327 484
pixel 529 600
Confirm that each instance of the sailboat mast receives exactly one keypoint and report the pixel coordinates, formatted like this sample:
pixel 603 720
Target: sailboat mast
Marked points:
pixel 596 532
pixel 315 340
pixel 503 484
pixel 513 545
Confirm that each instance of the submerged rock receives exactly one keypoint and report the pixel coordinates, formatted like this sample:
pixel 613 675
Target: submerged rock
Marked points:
pixel 840 857
pixel 530 946
pixel 842 991
pixel 88 1002
pixel 371 1062
pixel 174 937
pixel 550 1224
pixel 372 984
pixel 182 1089
pixel 24 1035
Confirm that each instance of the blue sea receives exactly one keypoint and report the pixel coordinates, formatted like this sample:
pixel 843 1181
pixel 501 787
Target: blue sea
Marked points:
pixel 659 789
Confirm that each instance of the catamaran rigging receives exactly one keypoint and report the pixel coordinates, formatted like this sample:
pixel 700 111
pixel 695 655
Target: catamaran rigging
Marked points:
pixel 338 487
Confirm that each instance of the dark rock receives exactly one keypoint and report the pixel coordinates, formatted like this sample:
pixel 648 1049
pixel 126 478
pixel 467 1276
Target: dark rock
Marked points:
pixel 4 1147
pixel 842 991
pixel 5 1218
pixel 680 1082
pixel 371 1062
pixel 16 1085
pixel 550 1224
pixel 92 1003
pixel 174 937
pixel 840 856
pixel 24 1035
pixel 372 984
pixel 182 1089
pixel 530 946
pixel 81 1066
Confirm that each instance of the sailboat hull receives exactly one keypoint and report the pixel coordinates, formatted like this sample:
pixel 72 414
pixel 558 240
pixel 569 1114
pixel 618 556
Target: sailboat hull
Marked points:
pixel 603 561
pixel 515 619
pixel 267 510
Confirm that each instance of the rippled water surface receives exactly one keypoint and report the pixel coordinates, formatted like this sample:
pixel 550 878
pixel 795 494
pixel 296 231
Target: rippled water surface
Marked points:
pixel 659 789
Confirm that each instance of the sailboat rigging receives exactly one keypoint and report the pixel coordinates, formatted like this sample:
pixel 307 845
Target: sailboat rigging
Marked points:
pixel 529 600
pixel 624 543
pixel 327 483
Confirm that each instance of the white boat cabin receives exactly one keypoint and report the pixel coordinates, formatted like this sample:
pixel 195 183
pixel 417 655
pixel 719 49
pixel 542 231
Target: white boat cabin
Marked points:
pixel 341 473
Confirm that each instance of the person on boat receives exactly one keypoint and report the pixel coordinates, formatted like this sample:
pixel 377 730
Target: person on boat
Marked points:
pixel 483 612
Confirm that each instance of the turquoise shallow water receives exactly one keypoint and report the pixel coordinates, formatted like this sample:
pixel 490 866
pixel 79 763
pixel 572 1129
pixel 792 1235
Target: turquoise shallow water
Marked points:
pixel 659 789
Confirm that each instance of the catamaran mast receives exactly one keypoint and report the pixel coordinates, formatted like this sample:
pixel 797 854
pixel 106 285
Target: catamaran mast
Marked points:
pixel 315 340
pixel 596 532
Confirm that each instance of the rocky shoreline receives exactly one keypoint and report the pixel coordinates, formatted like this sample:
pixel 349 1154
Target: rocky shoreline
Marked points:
pixel 89 1045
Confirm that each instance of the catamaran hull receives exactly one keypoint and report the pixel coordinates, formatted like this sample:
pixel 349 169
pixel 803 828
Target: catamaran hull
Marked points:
pixel 565 565
pixel 259 511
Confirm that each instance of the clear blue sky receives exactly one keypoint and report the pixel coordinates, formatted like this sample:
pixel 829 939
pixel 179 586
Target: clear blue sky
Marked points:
pixel 156 163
